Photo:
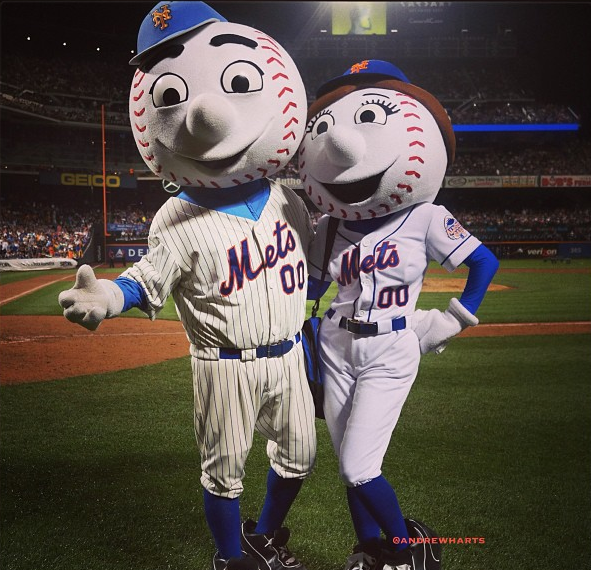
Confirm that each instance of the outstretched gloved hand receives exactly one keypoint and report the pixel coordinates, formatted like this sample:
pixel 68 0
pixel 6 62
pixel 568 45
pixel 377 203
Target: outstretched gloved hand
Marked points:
pixel 91 300
pixel 435 328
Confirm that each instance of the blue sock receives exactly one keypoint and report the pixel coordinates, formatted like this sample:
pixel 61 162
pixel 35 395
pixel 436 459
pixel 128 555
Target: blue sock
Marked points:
pixel 379 498
pixel 223 519
pixel 281 493
pixel 366 528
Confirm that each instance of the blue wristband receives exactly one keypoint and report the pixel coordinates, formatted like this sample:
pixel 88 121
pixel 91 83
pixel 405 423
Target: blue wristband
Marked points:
pixel 133 293
pixel 482 265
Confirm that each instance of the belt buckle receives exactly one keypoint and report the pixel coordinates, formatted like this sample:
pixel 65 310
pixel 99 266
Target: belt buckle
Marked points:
pixel 354 325
pixel 358 326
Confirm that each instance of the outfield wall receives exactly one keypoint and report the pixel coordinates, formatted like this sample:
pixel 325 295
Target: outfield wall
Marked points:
pixel 503 250
pixel 540 250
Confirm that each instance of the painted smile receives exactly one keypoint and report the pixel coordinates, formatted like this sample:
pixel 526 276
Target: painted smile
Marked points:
pixel 217 164
pixel 355 192
pixel 223 163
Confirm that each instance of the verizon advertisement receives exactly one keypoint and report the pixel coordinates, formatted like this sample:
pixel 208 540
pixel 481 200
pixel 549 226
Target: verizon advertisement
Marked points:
pixel 553 252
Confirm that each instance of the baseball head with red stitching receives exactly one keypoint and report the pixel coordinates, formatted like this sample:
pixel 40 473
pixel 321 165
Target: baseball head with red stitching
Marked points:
pixel 374 143
pixel 213 104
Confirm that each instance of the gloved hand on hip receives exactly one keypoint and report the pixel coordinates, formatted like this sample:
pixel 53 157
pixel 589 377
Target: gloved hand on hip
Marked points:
pixel 435 328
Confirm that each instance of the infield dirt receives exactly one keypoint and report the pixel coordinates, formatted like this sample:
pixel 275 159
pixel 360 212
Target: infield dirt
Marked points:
pixel 36 349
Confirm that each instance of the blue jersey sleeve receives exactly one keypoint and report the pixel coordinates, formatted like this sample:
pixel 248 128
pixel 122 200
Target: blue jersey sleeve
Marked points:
pixel 482 266
pixel 133 293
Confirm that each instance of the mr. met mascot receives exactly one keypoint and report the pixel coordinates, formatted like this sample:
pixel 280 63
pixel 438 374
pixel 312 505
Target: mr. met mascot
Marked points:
pixel 374 156
pixel 215 108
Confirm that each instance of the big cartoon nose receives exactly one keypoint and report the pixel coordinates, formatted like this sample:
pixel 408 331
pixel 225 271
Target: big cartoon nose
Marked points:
pixel 344 146
pixel 210 118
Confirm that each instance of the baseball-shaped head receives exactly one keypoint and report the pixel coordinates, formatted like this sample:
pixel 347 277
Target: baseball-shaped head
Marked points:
pixel 213 104
pixel 374 144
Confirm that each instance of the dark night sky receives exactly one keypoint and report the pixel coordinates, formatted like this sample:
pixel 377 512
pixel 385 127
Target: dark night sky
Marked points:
pixel 556 36
pixel 562 26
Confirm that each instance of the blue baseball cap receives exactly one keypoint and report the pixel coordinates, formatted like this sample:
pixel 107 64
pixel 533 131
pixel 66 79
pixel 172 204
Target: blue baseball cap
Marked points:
pixel 169 20
pixel 366 70
pixel 369 71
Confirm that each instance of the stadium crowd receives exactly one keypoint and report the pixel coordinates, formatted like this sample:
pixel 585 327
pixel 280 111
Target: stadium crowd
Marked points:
pixel 39 230
pixel 70 91
pixel 526 224
pixel 567 157
pixel 74 93
pixel 128 224
pixel 56 231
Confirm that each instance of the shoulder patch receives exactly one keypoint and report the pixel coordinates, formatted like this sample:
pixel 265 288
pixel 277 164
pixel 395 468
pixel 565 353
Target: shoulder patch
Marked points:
pixel 454 229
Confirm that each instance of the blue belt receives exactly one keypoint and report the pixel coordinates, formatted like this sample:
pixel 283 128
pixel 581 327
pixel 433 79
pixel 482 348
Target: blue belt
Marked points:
pixel 364 327
pixel 269 351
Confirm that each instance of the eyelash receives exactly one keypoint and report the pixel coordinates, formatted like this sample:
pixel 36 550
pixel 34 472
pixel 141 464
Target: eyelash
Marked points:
pixel 317 118
pixel 388 106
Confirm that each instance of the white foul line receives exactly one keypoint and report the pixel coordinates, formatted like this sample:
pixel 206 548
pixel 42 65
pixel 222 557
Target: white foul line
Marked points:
pixel 4 301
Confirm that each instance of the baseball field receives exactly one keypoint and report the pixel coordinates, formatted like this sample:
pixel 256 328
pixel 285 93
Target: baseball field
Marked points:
pixel 99 469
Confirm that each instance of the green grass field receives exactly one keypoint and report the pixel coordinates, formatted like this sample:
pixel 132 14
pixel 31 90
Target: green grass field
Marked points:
pixel 494 442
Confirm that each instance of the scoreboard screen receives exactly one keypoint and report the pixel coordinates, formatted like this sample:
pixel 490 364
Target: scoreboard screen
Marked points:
pixel 359 18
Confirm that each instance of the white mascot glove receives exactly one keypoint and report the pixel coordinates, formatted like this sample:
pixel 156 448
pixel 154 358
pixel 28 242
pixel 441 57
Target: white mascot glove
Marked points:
pixel 91 300
pixel 435 328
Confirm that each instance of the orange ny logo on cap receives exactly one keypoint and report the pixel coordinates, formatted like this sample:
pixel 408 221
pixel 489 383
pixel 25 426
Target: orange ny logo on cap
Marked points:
pixel 160 18
pixel 357 67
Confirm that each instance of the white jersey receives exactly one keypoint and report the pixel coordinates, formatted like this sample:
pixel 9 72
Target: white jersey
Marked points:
pixel 380 274
pixel 236 282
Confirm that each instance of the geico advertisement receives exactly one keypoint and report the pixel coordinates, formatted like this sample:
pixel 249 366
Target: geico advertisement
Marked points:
pixel 85 180
pixel 111 180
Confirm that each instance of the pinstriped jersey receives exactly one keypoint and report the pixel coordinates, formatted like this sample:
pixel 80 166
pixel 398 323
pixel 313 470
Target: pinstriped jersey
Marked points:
pixel 380 275
pixel 236 282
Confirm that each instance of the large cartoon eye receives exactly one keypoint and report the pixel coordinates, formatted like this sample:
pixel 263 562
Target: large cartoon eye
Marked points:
pixel 242 77
pixel 320 124
pixel 374 112
pixel 169 89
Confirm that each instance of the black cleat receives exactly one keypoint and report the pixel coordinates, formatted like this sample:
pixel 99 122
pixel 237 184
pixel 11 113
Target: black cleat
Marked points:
pixel 421 554
pixel 270 551
pixel 245 563
pixel 364 558
pixel 397 560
